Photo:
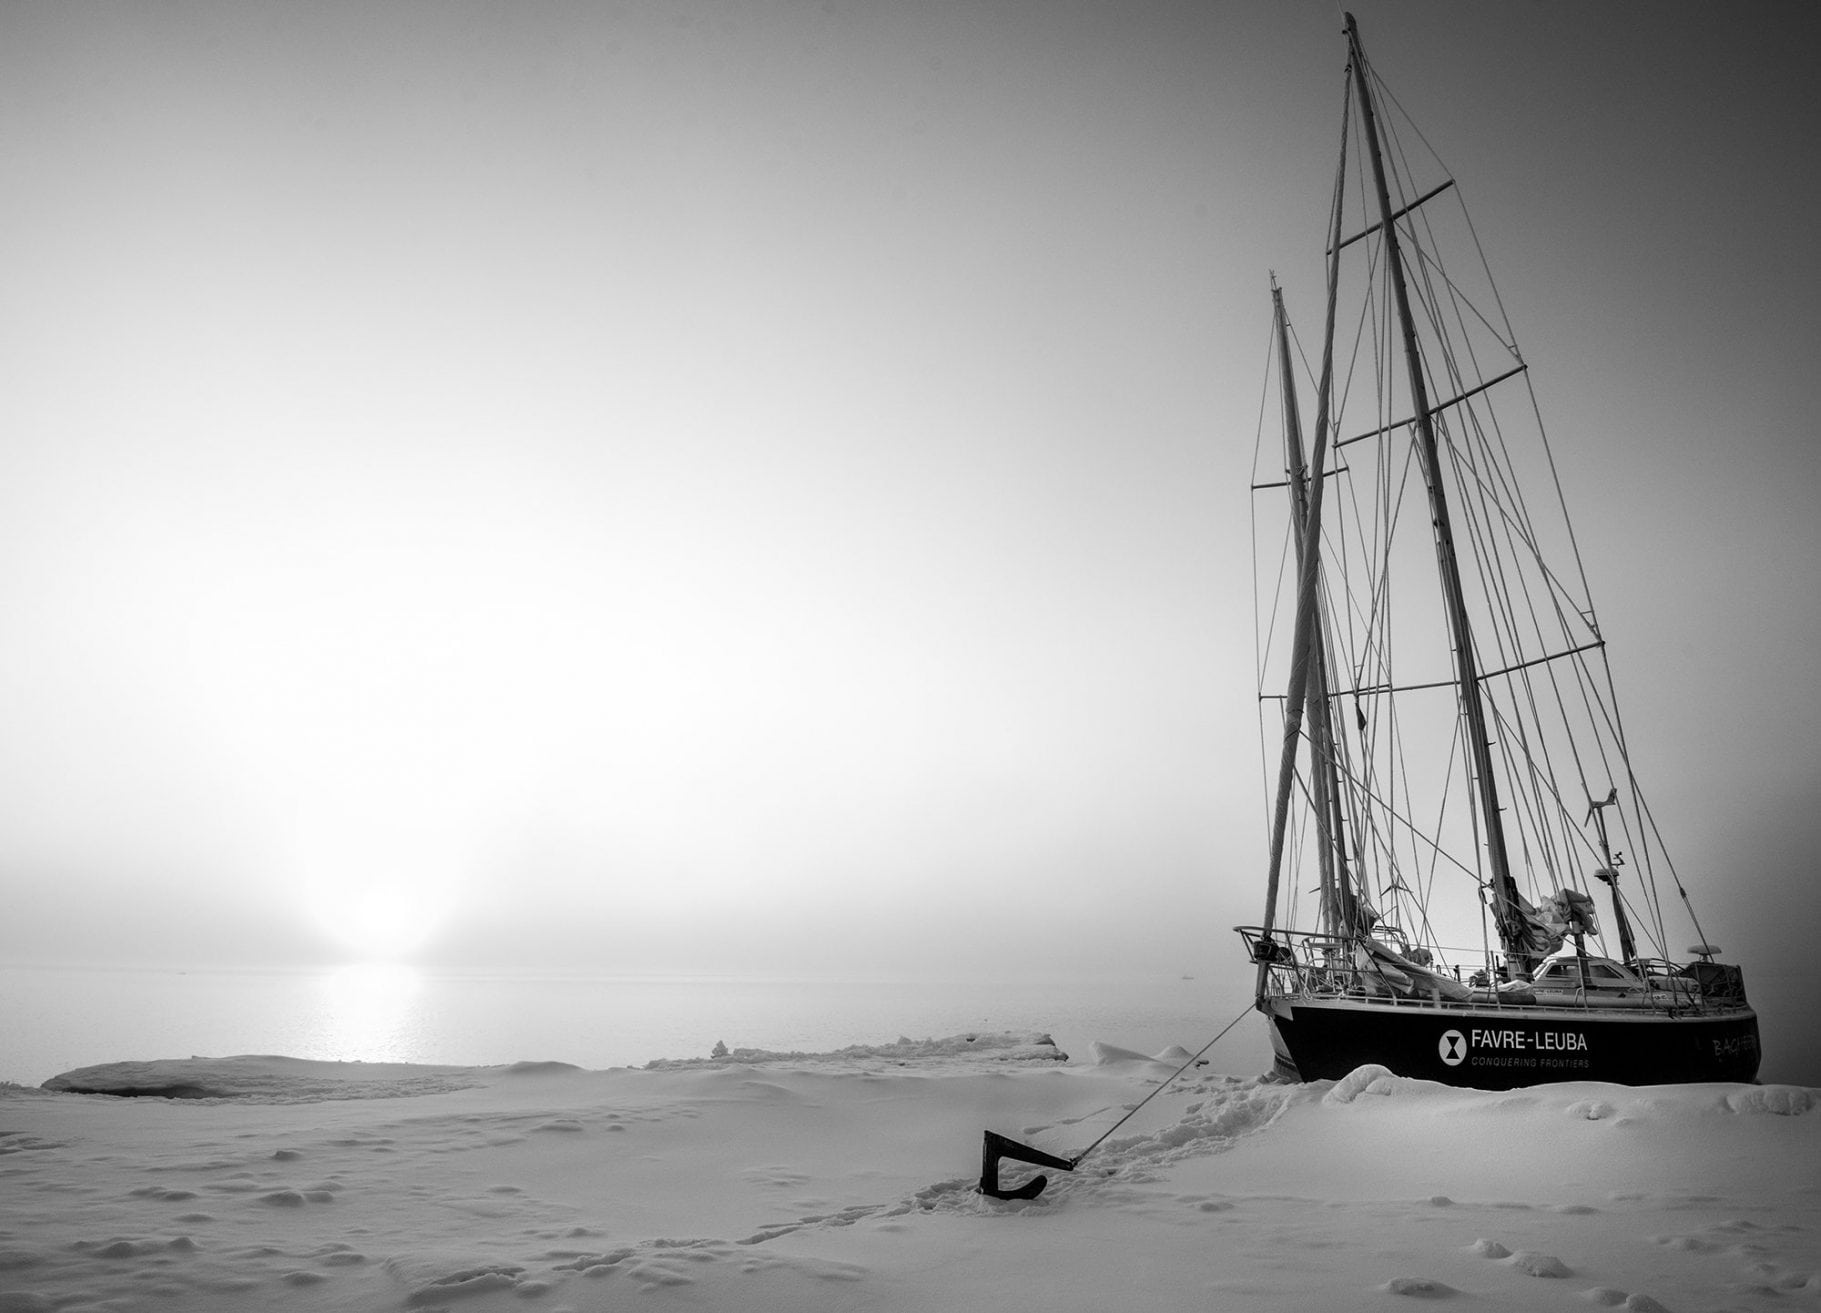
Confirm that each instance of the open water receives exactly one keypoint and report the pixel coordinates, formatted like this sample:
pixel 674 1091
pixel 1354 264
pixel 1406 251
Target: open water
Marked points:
pixel 56 1019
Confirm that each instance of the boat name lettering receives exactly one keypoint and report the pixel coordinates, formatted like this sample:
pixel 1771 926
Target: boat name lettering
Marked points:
pixel 1561 1041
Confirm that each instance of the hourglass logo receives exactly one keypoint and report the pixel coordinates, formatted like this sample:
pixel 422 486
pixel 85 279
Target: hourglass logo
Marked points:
pixel 1453 1047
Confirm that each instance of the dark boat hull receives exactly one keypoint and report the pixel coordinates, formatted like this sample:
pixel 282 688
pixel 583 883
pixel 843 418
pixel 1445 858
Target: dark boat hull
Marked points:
pixel 1500 1048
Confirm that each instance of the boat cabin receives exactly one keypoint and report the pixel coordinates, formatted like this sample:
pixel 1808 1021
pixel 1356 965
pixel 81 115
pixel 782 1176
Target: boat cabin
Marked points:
pixel 1571 978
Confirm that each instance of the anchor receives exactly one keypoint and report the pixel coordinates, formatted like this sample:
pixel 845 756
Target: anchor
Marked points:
pixel 997 1147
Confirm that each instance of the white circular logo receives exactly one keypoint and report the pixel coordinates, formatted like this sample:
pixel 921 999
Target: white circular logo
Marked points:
pixel 1453 1047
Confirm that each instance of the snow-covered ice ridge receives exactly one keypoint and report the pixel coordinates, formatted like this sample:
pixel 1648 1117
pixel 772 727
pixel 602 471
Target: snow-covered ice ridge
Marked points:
pixel 835 1181
pixel 1000 1046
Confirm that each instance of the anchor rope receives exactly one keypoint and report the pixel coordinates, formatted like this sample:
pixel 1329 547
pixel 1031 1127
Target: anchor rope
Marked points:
pixel 1076 1160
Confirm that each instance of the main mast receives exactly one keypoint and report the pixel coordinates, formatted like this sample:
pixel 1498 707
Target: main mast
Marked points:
pixel 1505 904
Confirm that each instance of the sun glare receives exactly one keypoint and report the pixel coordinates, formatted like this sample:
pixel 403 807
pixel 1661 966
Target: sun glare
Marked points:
pixel 378 890
pixel 370 1014
pixel 383 923
pixel 377 917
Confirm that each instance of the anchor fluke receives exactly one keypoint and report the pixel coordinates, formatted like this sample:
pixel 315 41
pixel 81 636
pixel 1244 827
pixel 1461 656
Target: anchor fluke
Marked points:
pixel 997 1147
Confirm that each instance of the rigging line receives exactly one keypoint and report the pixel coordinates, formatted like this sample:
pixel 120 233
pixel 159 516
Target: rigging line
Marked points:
pixel 1598 697
pixel 1437 409
pixel 1267 633
pixel 1339 552
pixel 1448 776
pixel 1638 799
pixel 1429 195
pixel 1393 516
pixel 1594 693
pixel 1264 633
pixel 1430 270
pixel 1647 886
pixel 1509 334
pixel 1369 553
pixel 1133 1111
pixel 1323 474
pixel 1564 627
pixel 1533 787
pixel 1381 690
pixel 1515 747
pixel 1507 464
pixel 1338 563
pixel 1604 695
pixel 1521 756
pixel 1561 716
pixel 1552 792
pixel 1399 160
pixel 1526 533
pixel 1265 771
pixel 1520 528
pixel 1404 115
pixel 1592 703
pixel 1501 630
pixel 1441 818
pixel 1555 828
pixel 1366 838
pixel 1542 782
pixel 1644 865
pixel 1370 795
pixel 1574 542
pixel 1385 367
pixel 1514 509
pixel 1368 634
pixel 1339 747
pixel 1504 337
pixel 1427 269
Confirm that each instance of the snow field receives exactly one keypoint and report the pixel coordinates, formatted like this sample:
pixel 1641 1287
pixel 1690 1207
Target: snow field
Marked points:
pixel 841 1181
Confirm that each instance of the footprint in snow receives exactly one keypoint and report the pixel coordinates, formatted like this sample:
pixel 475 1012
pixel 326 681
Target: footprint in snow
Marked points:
pixel 1539 1265
pixel 1688 1244
pixel 1419 1288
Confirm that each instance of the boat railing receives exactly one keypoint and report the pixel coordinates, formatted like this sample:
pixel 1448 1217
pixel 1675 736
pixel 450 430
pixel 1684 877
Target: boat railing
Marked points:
pixel 1312 964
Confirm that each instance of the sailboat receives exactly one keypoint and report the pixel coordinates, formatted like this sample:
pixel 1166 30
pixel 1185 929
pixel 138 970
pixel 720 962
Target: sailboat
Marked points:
pixel 1463 874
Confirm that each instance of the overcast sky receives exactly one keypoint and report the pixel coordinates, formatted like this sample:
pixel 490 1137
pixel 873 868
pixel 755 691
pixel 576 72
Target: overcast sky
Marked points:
pixel 763 484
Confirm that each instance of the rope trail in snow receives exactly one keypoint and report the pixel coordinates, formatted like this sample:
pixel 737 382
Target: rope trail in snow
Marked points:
pixel 1196 1057
pixel 1219 1112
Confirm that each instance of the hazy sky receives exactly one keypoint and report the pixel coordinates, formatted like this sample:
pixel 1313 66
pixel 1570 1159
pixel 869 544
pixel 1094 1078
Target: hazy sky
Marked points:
pixel 763 484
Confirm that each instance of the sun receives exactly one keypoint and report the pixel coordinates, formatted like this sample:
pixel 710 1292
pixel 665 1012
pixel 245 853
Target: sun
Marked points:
pixel 379 912
pixel 378 889
pixel 383 923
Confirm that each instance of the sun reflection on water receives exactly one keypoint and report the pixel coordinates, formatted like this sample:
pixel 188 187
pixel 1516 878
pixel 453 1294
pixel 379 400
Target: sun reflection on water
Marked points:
pixel 371 1012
